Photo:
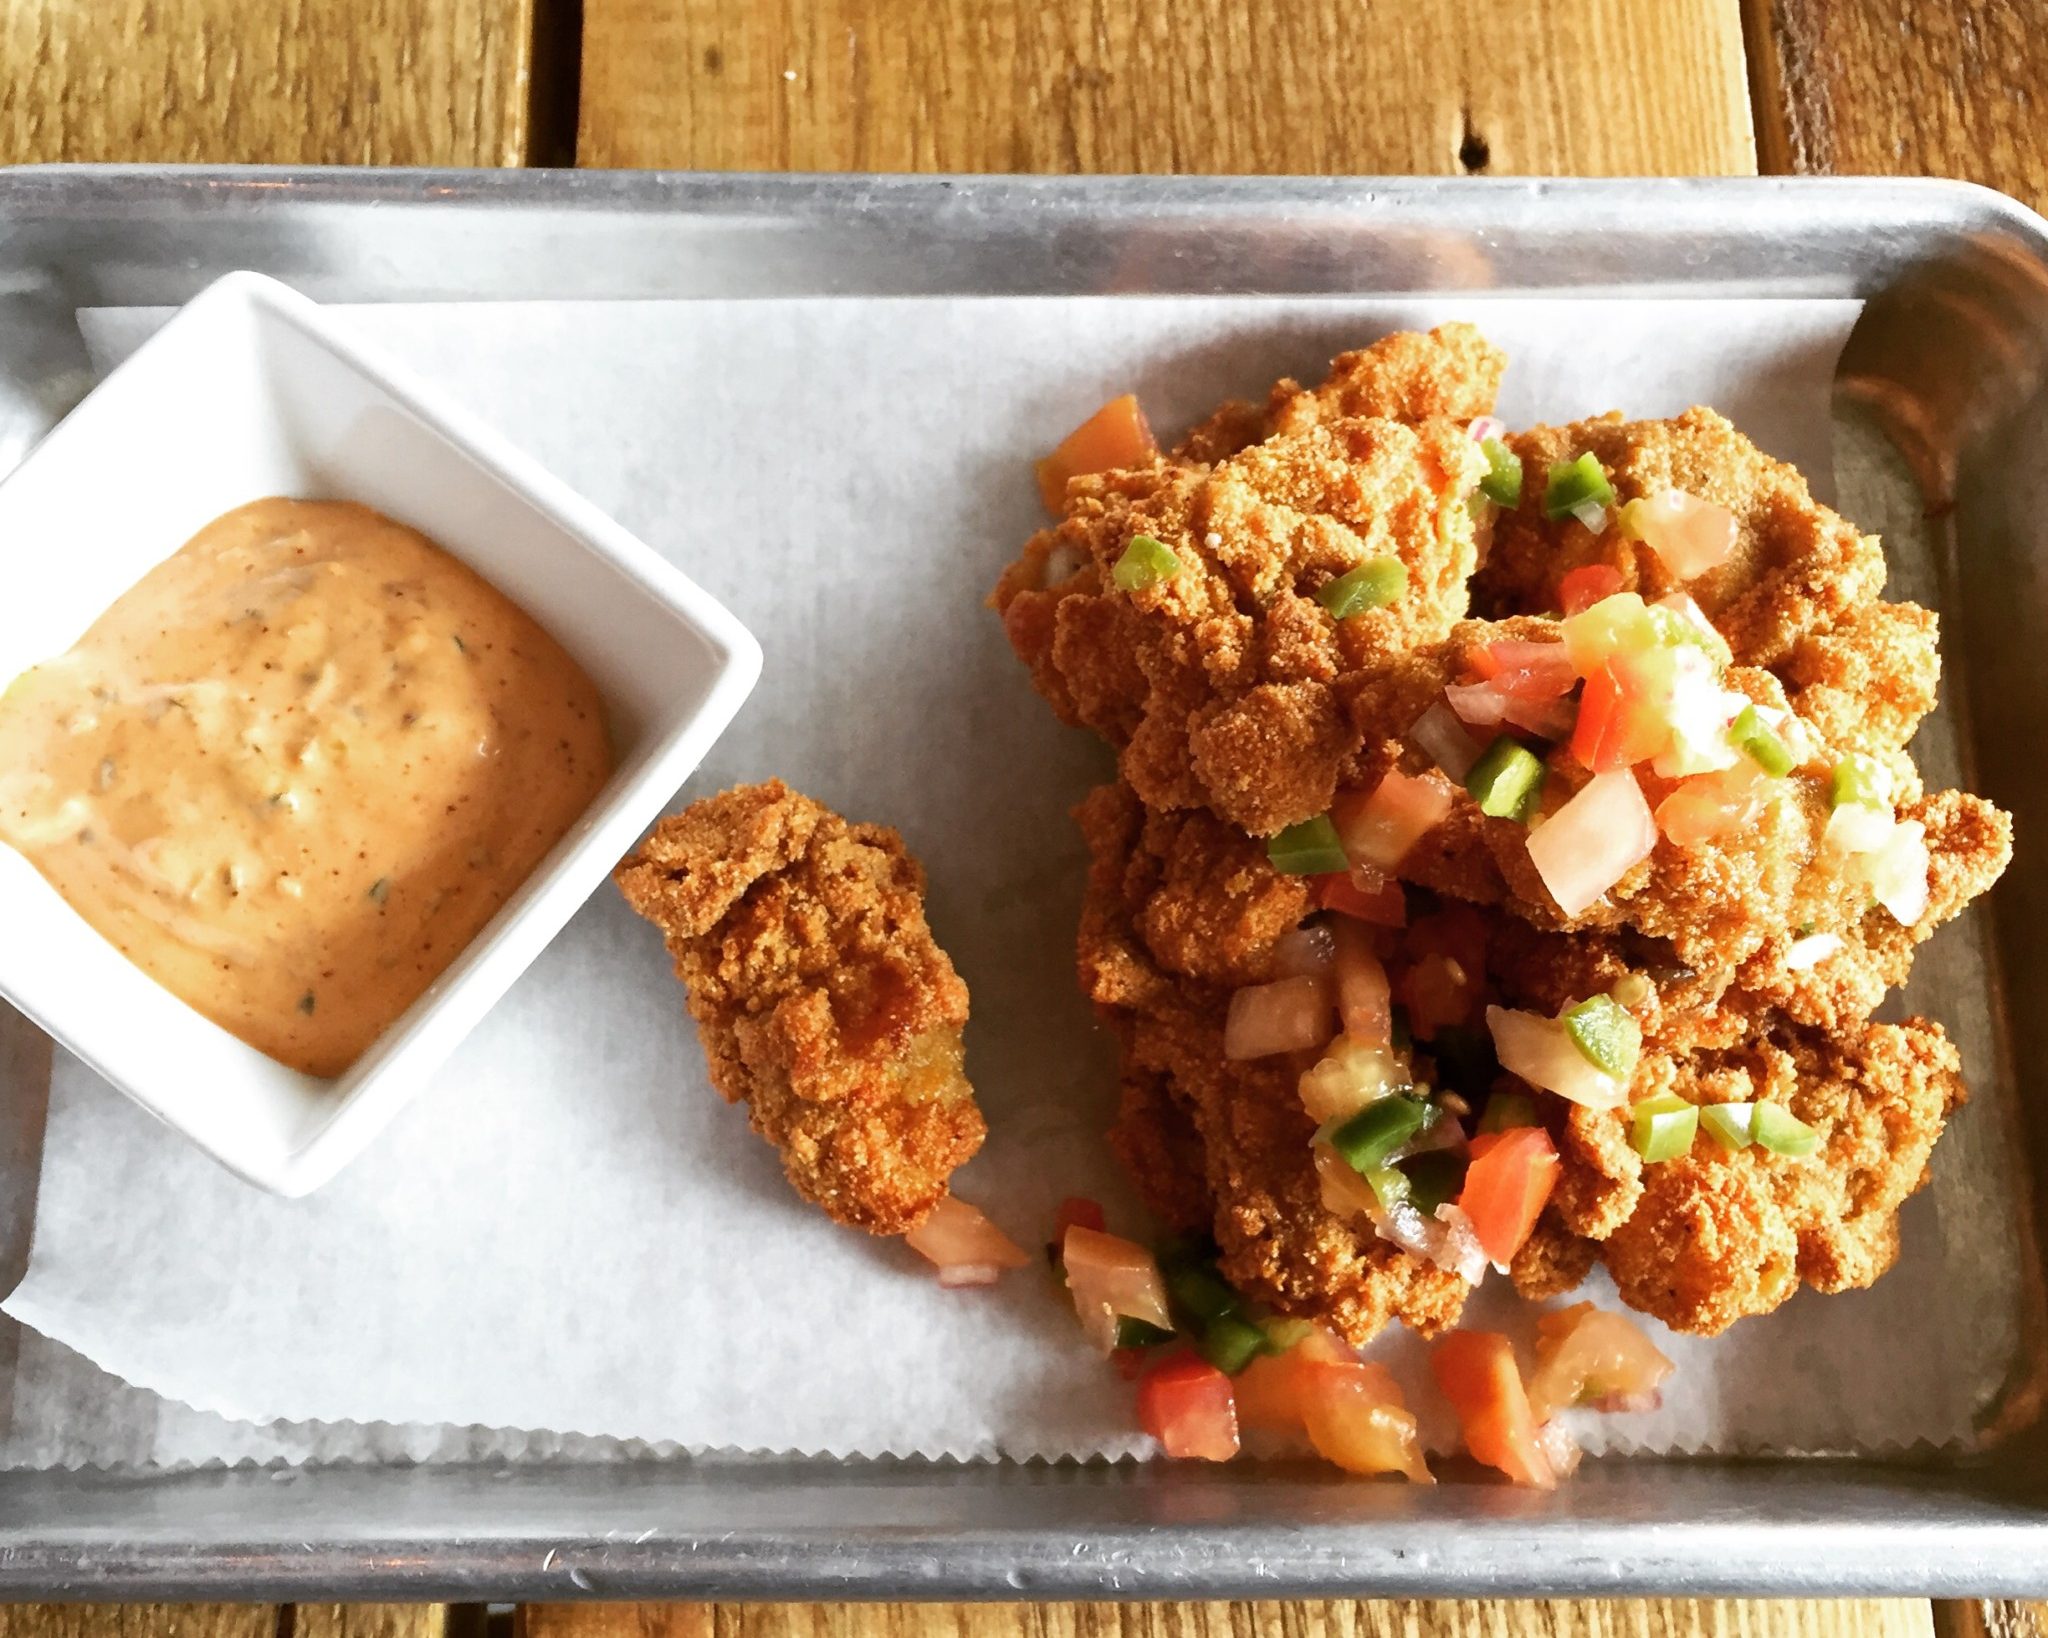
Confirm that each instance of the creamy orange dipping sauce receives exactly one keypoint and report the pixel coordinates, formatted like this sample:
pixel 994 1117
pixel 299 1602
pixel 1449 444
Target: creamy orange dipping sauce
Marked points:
pixel 296 767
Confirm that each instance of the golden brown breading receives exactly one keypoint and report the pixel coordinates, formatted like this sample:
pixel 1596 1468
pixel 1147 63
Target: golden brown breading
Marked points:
pixel 1701 1240
pixel 1215 684
pixel 1798 568
pixel 819 995
pixel 1451 373
pixel 1184 1101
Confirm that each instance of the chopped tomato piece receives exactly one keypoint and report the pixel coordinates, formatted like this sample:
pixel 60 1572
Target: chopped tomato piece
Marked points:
pixel 964 1245
pixel 1186 1404
pixel 1364 1000
pixel 1112 1278
pixel 1586 585
pixel 1594 840
pixel 1588 1356
pixel 1445 981
pixel 1355 1418
pixel 1077 1211
pixel 1270 1388
pixel 1382 903
pixel 1379 828
pixel 1622 716
pixel 1507 1185
pixel 1713 804
pixel 1114 437
pixel 1524 670
pixel 1476 1371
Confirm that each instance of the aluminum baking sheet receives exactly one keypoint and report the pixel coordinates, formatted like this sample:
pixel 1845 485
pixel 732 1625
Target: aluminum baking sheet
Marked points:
pixel 1943 371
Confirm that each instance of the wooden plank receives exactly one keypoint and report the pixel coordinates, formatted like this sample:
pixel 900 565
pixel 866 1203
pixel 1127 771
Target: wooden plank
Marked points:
pixel 368 1621
pixel 1935 88
pixel 1588 87
pixel 1575 1618
pixel 1990 1618
pixel 312 82
pixel 138 1621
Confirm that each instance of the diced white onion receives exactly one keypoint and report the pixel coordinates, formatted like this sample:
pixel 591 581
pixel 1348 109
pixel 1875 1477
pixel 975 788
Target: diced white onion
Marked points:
pixel 1442 738
pixel 1898 872
pixel 1305 952
pixel 1810 951
pixel 1485 427
pixel 1349 1076
pixel 1479 704
pixel 1856 828
pixel 1288 1015
pixel 1592 513
pixel 1538 1049
pixel 1459 1250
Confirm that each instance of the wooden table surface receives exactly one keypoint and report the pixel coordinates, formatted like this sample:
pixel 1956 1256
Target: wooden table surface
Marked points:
pixel 1592 87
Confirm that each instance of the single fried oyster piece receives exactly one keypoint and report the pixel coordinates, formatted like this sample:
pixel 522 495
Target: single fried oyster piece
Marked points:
pixel 820 997
pixel 1798 567
pixel 1214 681
pixel 1711 1236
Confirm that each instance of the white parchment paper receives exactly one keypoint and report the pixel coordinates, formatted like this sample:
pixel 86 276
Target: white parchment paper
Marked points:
pixel 569 1232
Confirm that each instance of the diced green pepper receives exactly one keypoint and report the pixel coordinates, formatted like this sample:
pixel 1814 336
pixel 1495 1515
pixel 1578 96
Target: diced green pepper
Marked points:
pixel 1753 737
pixel 1282 1334
pixel 1782 1132
pixel 1310 848
pixel 1860 778
pixel 1371 585
pixel 1200 1292
pixel 1606 1034
pixel 1728 1123
pixel 1145 562
pixel 1376 1131
pixel 1137 1333
pixel 1230 1343
pixel 1389 1186
pixel 1506 1110
pixel 1434 1178
pixel 1506 781
pixel 1663 1127
pixel 1571 484
pixel 1503 481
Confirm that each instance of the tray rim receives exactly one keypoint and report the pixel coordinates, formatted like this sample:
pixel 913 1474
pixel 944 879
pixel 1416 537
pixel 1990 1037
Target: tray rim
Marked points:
pixel 2000 1547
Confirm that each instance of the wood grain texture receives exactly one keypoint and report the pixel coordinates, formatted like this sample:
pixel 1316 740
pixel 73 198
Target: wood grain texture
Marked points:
pixel 1588 87
pixel 1575 1618
pixel 1990 1618
pixel 368 1621
pixel 138 1621
pixel 313 82
pixel 1927 88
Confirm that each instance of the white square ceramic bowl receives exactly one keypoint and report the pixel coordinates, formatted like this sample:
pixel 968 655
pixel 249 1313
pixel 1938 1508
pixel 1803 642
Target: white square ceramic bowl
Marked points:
pixel 252 391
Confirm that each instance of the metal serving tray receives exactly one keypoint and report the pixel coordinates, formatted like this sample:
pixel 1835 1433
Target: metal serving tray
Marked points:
pixel 1948 364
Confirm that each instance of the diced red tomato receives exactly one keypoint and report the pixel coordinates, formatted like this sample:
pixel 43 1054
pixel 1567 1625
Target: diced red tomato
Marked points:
pixel 1379 828
pixel 1111 1278
pixel 1691 535
pixel 1507 1185
pixel 1713 804
pixel 1382 903
pixel 1355 1418
pixel 1077 1211
pixel 1622 715
pixel 1445 981
pixel 1525 670
pixel 1186 1404
pixel 1114 437
pixel 1270 1388
pixel 964 1245
pixel 1476 1371
pixel 1364 998
pixel 1586 585
pixel 1589 1356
